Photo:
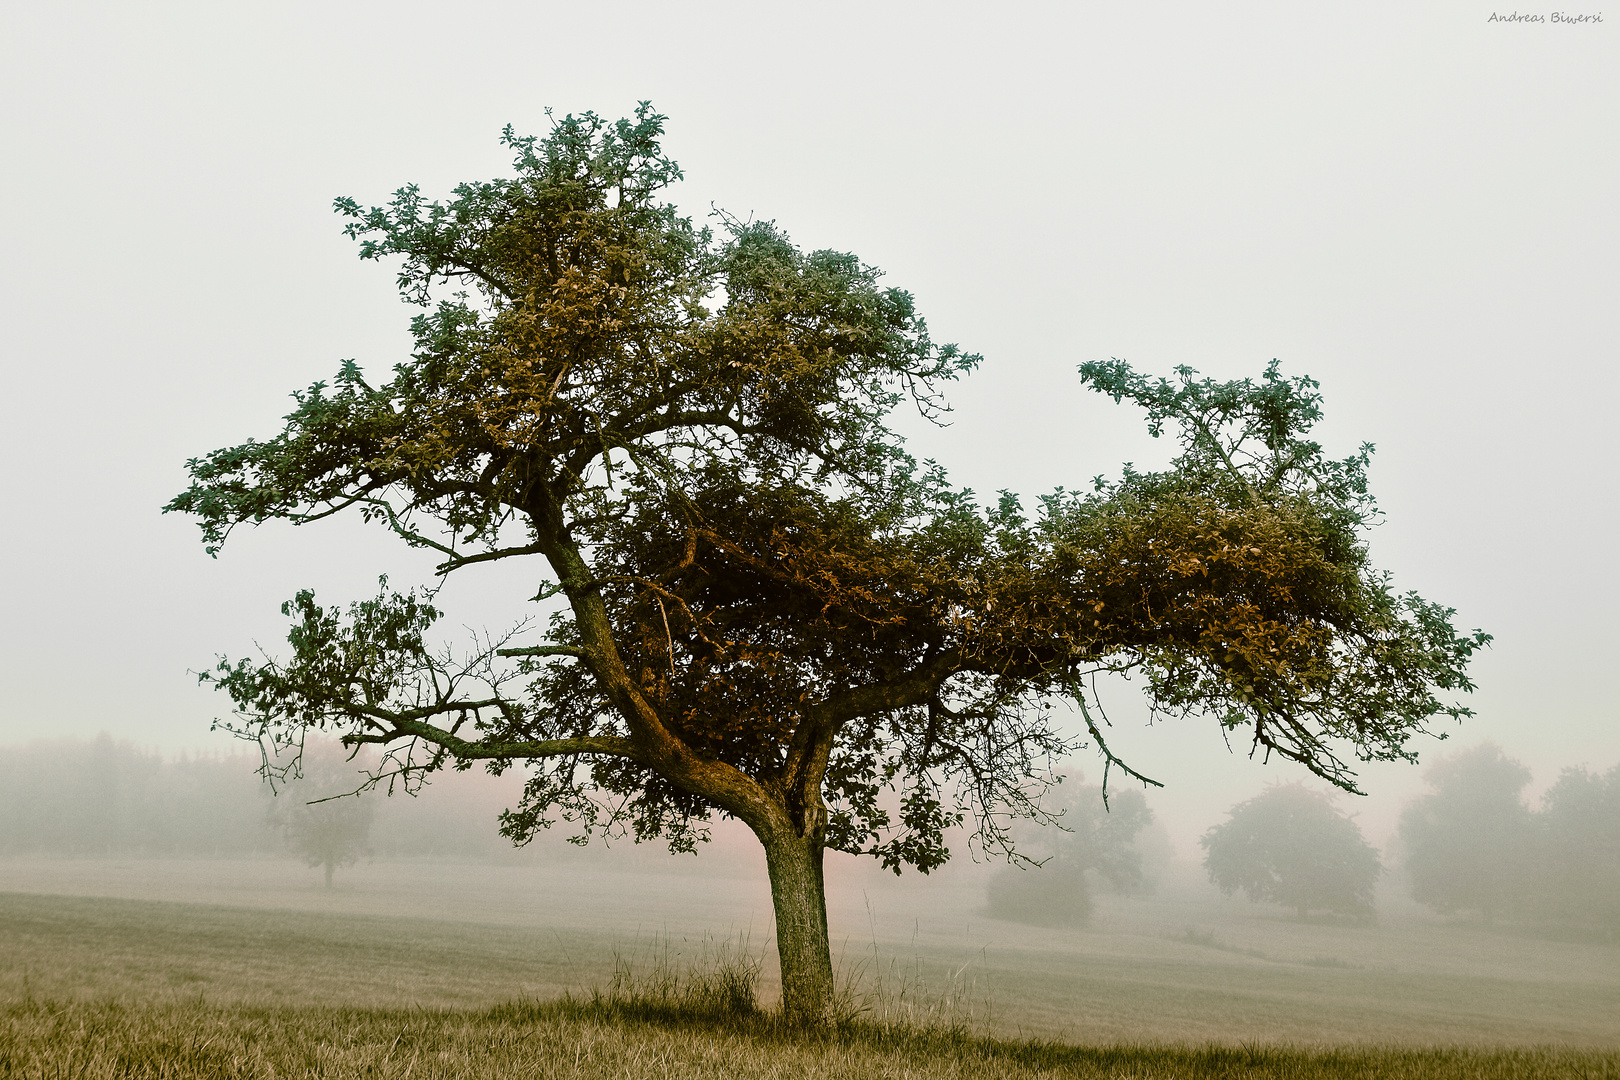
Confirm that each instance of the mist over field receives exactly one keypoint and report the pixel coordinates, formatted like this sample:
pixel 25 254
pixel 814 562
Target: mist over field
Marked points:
pixel 1414 207
pixel 128 875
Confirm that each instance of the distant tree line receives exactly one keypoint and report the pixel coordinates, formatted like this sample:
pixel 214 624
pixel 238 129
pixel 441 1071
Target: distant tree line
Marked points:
pixel 1473 845
pixel 109 797
pixel 113 798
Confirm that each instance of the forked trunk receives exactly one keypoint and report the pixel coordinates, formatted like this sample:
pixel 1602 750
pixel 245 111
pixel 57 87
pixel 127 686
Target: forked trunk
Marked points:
pixel 799 894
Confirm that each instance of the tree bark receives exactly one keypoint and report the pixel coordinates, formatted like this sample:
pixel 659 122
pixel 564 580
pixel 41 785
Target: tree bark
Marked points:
pixel 799 895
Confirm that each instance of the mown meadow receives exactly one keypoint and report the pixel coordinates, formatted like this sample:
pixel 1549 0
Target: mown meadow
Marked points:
pixel 584 970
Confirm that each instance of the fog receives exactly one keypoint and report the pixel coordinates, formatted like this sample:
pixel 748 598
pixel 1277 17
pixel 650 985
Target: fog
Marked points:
pixel 1415 207
pixel 108 852
pixel 1471 847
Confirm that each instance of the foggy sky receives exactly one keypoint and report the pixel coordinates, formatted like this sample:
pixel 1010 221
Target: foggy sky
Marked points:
pixel 1415 206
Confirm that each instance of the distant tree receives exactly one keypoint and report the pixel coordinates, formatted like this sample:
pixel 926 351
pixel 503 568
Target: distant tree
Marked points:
pixel 1291 846
pixel 320 810
pixel 1469 843
pixel 1578 852
pixel 768 609
pixel 1087 842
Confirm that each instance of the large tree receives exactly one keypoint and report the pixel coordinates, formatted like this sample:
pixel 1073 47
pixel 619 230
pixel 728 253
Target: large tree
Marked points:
pixel 1474 845
pixel 1290 845
pixel 1469 843
pixel 764 607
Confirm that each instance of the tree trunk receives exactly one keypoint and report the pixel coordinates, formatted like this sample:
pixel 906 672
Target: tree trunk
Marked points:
pixel 799 894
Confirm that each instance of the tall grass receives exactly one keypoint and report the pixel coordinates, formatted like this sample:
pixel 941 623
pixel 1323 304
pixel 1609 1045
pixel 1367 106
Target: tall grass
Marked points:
pixel 889 992
pixel 719 984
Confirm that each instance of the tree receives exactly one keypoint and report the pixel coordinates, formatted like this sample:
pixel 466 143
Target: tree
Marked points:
pixel 767 609
pixel 1289 845
pixel 1088 838
pixel 1578 879
pixel 319 810
pixel 1468 843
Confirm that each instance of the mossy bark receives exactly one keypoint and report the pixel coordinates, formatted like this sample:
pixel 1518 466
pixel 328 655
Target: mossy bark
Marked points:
pixel 799 895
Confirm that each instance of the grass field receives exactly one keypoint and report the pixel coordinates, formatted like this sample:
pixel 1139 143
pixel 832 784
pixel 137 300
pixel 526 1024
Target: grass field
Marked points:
pixel 257 972
pixel 586 1039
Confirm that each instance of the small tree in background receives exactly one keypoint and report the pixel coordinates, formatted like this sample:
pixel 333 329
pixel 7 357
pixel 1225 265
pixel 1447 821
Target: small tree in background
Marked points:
pixel 1468 844
pixel 319 812
pixel 1088 841
pixel 1291 846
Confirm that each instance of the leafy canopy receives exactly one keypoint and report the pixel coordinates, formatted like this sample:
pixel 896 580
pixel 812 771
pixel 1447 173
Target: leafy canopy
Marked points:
pixel 1290 846
pixel 766 606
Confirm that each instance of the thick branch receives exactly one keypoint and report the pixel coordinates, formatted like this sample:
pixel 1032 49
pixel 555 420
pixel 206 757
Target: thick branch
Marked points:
pixel 468 750
pixel 916 687
pixel 458 561
pixel 542 650
pixel 722 784
pixel 812 741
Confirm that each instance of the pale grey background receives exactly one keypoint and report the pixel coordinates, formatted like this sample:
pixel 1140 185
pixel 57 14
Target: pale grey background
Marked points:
pixel 1411 204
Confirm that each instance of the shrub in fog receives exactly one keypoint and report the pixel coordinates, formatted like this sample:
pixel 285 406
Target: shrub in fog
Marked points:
pixel 1290 845
pixel 1470 844
pixel 1090 843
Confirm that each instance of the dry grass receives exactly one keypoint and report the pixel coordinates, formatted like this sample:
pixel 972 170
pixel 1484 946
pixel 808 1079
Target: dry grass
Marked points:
pixel 93 988
pixel 1151 970
pixel 644 1039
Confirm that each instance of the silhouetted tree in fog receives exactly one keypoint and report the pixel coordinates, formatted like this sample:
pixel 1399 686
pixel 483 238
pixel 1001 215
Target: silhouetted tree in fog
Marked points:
pixel 1578 852
pixel 1088 840
pixel 1468 845
pixel 1290 846
pixel 319 812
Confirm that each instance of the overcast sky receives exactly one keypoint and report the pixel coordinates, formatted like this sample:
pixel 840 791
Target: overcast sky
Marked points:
pixel 1412 203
